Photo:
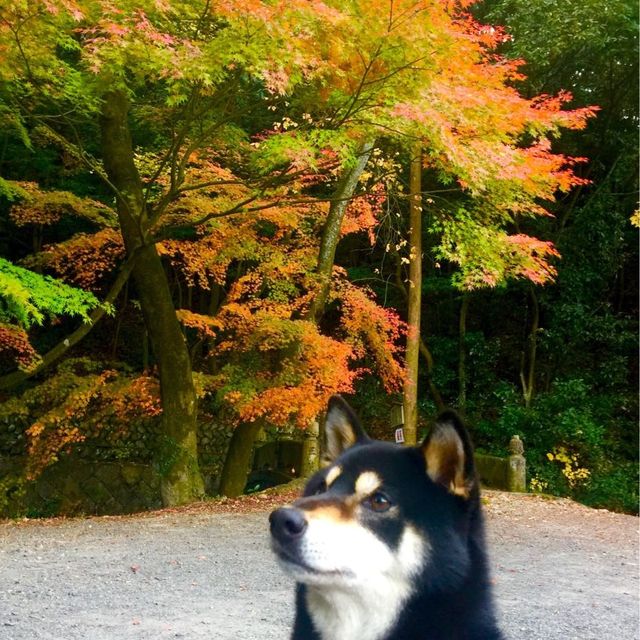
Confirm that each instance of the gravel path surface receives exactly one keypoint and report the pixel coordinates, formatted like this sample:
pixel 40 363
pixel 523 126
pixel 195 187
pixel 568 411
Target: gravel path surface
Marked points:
pixel 562 571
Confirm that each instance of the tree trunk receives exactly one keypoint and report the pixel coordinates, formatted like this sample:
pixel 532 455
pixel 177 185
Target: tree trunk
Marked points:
pixel 310 450
pixel 528 362
pixel 177 454
pixel 424 350
pixel 326 256
pixel 462 354
pixel 238 459
pixel 414 300
pixel 331 233
pixel 433 389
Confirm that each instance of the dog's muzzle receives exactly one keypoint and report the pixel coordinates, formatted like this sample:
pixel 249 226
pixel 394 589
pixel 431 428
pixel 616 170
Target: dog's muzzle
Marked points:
pixel 287 525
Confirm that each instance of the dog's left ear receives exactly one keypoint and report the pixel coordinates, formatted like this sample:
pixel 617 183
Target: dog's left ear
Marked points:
pixel 342 428
pixel 448 455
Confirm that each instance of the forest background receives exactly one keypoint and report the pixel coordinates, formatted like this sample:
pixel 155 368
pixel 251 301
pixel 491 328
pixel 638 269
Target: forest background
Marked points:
pixel 205 219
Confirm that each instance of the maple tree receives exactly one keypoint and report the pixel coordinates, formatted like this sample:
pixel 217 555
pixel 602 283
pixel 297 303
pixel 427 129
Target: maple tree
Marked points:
pixel 105 54
pixel 246 127
pixel 83 401
pixel 269 362
pixel 272 363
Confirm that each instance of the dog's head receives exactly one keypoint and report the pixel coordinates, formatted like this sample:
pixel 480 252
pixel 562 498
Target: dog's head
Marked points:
pixel 379 511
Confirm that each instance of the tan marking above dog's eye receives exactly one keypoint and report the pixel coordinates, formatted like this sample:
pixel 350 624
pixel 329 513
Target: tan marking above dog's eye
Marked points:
pixel 367 483
pixel 332 475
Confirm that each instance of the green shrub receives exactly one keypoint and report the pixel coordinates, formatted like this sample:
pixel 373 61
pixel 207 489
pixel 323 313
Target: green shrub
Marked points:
pixel 613 486
pixel 574 442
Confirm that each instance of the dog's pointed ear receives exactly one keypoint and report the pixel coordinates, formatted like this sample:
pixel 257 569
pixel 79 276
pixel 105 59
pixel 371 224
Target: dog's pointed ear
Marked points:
pixel 448 455
pixel 342 428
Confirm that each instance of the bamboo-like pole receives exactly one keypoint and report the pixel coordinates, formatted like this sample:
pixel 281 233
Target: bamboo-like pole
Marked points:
pixel 410 391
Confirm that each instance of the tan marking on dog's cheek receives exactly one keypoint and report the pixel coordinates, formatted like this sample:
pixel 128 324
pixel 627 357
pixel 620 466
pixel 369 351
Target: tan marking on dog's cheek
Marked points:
pixel 458 488
pixel 333 475
pixel 367 483
pixel 331 512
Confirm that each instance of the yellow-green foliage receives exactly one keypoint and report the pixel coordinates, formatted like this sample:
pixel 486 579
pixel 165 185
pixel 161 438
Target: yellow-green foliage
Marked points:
pixel 28 298
pixel 537 485
pixel 571 469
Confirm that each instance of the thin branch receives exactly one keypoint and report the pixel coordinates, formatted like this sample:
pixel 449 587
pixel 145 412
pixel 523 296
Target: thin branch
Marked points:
pixel 396 71
pixel 404 16
pixel 202 18
pixel 175 144
pixel 360 87
pixel 238 208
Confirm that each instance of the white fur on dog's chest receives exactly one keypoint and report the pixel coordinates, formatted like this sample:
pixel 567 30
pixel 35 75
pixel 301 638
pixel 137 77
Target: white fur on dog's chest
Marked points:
pixel 346 615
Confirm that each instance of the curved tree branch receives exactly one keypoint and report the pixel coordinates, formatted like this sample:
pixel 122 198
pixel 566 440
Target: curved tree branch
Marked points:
pixel 331 232
pixel 16 377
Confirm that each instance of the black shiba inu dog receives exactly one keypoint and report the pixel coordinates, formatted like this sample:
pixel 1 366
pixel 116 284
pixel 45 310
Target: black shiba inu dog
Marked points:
pixel 387 542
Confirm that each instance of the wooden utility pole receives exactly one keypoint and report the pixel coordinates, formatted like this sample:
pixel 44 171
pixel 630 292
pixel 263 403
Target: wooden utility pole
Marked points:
pixel 414 300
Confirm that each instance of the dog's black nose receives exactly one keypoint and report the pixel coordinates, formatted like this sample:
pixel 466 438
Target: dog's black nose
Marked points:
pixel 287 524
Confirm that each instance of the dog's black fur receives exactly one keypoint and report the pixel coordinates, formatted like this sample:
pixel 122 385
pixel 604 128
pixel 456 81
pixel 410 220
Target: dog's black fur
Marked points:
pixel 431 489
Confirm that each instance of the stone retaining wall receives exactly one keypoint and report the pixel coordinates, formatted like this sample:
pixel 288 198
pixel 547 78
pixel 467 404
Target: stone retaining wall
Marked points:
pixel 508 474
pixel 75 486
pixel 103 475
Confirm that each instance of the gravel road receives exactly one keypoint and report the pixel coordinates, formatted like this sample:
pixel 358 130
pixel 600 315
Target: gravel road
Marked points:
pixel 561 571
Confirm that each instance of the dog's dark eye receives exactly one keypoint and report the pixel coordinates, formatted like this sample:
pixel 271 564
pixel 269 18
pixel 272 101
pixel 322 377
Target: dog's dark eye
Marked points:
pixel 378 502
